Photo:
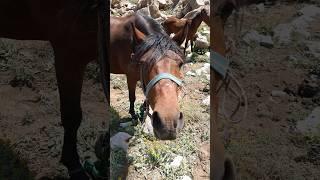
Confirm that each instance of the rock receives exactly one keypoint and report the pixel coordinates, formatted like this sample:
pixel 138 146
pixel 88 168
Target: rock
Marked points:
pixel 154 11
pixel 207 54
pixel 308 90
pixel 165 4
pixel 115 2
pixel 141 4
pixel 120 140
pixel 292 59
pixel 197 3
pixel 206 101
pixel 203 70
pixel 311 124
pixel 313 48
pixel 264 111
pixel 310 11
pixel 282 33
pixel 266 41
pixel 126 124
pixel 260 7
pixel 277 93
pixel 176 161
pixel 144 11
pixel 299 25
pixel 185 178
pixel 189 73
pixel 201 42
pixel 128 12
pixel 147 126
pixel 254 36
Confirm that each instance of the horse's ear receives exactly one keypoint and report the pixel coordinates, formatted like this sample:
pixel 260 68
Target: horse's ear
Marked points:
pixel 138 36
pixel 182 34
pixel 203 11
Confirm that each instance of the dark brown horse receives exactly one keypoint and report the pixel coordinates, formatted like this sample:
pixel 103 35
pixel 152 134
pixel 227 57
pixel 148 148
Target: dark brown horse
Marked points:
pixel 71 26
pixel 143 51
pixel 187 26
pixel 221 166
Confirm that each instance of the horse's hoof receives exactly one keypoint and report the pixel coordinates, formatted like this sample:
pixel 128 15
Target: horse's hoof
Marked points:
pixel 134 116
pixel 79 175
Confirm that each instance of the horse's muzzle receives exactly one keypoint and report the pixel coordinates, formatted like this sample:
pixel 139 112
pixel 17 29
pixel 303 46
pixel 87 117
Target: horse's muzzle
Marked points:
pixel 168 127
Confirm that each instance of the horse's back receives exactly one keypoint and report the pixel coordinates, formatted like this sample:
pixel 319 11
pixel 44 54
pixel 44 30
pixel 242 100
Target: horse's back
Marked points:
pixel 26 19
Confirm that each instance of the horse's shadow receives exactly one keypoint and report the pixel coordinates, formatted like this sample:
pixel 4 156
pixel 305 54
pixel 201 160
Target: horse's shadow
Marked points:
pixel 119 163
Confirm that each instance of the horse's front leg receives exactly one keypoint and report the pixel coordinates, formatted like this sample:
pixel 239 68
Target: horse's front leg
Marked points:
pixel 191 42
pixel 132 83
pixel 69 76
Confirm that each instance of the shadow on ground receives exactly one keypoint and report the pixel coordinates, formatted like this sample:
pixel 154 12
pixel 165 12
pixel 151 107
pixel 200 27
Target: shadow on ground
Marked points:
pixel 12 167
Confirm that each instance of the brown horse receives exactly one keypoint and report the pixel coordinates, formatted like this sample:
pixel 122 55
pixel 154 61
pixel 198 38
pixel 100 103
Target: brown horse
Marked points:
pixel 187 25
pixel 71 26
pixel 143 51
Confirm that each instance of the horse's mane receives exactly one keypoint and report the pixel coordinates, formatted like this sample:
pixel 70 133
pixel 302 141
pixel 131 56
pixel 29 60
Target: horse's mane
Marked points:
pixel 158 42
pixel 154 25
pixel 159 45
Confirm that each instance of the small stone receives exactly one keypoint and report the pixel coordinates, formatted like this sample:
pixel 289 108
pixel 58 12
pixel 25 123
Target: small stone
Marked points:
pixel 260 7
pixel 201 42
pixel 206 101
pixel 266 41
pixel 189 73
pixel 144 11
pixel 251 36
pixel 165 4
pixel 176 161
pixel 126 124
pixel 185 178
pixel 147 126
pixel 277 93
pixel 311 123
pixel 120 140
pixel 292 58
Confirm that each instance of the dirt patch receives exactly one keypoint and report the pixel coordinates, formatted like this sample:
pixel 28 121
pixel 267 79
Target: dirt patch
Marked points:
pixel 29 108
pixel 264 145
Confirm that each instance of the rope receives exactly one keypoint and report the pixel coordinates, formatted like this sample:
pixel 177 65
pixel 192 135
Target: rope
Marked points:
pixel 240 95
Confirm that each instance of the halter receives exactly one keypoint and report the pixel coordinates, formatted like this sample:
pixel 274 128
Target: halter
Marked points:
pixel 157 78
pixel 220 64
pixel 147 88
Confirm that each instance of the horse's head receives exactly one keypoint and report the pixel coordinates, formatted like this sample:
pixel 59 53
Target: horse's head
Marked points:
pixel 205 15
pixel 161 60
pixel 171 25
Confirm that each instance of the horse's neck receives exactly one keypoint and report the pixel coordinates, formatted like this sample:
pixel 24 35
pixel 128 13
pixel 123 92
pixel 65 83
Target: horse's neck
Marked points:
pixel 196 22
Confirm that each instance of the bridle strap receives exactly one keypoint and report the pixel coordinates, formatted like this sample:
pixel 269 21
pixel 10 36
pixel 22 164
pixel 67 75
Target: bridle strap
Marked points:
pixel 159 77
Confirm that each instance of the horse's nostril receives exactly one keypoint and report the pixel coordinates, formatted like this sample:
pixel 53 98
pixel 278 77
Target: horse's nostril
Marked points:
pixel 175 124
pixel 181 116
pixel 156 120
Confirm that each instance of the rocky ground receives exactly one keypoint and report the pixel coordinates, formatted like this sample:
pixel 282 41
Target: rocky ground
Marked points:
pixel 277 63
